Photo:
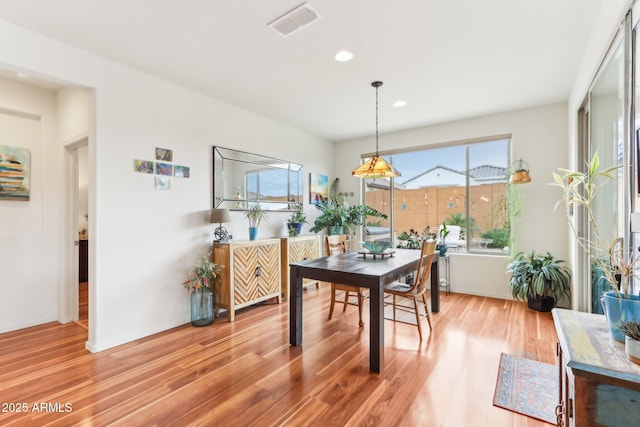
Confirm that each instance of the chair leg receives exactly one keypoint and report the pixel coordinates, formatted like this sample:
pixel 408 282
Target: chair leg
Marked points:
pixel 333 300
pixel 394 307
pixel 415 306
pixel 346 300
pixel 426 310
pixel 360 323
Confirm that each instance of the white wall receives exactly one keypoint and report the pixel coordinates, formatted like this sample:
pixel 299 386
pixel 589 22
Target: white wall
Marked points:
pixel 539 136
pixel 30 233
pixel 143 241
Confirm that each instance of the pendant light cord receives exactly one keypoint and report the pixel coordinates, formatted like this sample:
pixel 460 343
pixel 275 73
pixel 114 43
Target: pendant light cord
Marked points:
pixel 377 152
pixel 377 84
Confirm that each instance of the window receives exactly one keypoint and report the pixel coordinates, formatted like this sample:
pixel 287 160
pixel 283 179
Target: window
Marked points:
pixel 463 185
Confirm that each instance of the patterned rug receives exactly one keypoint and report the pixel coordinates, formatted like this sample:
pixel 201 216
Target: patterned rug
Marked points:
pixel 527 387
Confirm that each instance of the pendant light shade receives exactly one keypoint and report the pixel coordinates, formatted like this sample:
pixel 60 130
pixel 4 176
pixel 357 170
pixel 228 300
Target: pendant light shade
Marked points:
pixel 376 167
pixel 520 174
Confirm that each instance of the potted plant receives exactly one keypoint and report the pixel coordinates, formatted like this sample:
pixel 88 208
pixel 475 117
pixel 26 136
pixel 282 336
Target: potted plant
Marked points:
pixel 611 259
pixel 296 220
pixel 200 282
pixel 442 241
pixel 337 214
pixel 254 215
pixel 541 280
pixel 631 330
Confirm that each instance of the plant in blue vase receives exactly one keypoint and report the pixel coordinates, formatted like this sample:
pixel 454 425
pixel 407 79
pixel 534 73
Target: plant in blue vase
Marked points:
pixel 296 220
pixel 610 259
pixel 441 246
pixel 254 214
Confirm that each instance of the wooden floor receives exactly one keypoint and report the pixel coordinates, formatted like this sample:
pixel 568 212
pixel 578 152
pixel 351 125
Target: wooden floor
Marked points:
pixel 83 304
pixel 245 373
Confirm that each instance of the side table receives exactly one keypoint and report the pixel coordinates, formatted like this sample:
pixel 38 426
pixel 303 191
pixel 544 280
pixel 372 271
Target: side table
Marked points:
pixel 445 282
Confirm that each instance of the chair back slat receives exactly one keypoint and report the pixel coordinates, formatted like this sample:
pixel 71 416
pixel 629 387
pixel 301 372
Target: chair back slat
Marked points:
pixel 336 244
pixel 423 272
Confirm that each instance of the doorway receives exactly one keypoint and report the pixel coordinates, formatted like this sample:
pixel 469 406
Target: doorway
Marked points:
pixel 78 221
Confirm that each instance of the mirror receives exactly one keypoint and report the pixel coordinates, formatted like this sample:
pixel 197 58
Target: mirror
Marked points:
pixel 241 178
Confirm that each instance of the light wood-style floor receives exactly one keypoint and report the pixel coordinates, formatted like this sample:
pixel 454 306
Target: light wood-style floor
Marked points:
pixel 245 373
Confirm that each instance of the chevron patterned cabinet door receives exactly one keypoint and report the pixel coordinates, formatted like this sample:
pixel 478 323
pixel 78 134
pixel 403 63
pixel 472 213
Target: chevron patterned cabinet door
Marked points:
pixel 251 273
pixel 296 249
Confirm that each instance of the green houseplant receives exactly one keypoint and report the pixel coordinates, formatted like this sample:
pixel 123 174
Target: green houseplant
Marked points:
pixel 611 260
pixel 442 240
pixel 254 215
pixel 541 280
pixel 296 220
pixel 631 330
pixel 200 283
pixel 336 213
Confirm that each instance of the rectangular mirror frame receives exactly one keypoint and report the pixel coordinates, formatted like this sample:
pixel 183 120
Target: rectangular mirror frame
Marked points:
pixel 241 179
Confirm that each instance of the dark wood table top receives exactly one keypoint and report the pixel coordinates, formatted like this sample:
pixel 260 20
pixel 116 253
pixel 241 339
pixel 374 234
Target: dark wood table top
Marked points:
pixel 366 270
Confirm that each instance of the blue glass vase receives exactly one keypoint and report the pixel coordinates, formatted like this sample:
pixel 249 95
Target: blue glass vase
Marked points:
pixel 253 233
pixel 617 309
pixel 202 303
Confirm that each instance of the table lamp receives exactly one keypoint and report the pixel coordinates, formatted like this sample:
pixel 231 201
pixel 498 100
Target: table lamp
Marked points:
pixel 220 216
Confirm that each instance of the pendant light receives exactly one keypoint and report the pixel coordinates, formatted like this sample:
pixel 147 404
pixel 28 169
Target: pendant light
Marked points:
pixel 376 167
pixel 520 173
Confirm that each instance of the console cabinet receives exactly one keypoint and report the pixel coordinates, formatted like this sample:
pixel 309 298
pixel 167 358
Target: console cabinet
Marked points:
pixel 296 249
pixel 83 260
pixel 598 385
pixel 251 273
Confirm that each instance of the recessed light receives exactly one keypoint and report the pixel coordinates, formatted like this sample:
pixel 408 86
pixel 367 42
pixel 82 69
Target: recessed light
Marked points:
pixel 344 56
pixel 400 103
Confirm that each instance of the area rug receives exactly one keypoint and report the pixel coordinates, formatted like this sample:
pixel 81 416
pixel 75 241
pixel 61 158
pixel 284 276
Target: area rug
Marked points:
pixel 527 387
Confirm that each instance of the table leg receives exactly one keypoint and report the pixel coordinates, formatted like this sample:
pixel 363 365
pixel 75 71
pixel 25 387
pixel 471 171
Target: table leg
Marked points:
pixel 435 287
pixel 376 332
pixel 295 308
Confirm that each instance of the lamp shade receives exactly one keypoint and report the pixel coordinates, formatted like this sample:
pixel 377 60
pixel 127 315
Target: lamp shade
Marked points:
pixel 520 174
pixel 375 167
pixel 220 216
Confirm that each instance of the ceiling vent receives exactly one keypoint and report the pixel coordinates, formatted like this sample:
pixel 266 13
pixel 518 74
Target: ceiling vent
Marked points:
pixel 294 20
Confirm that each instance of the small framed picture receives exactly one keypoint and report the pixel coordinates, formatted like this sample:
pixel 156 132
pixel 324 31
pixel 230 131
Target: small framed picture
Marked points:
pixel 181 171
pixel 164 154
pixel 164 169
pixel 142 166
pixel 163 183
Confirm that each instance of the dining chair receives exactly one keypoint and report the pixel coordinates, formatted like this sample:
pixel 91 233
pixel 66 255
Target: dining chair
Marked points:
pixel 416 291
pixel 336 245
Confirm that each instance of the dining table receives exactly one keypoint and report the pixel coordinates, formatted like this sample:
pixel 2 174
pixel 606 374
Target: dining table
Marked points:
pixel 363 270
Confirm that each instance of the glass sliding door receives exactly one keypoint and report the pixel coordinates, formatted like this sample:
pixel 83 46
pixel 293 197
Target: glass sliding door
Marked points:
pixel 607 137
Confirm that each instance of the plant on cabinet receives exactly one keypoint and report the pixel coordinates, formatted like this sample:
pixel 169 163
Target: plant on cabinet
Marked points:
pixel 612 262
pixel 255 215
pixel 631 330
pixel 296 220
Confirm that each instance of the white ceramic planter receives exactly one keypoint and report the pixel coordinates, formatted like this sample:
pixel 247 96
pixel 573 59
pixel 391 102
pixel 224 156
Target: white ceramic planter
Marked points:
pixel 632 348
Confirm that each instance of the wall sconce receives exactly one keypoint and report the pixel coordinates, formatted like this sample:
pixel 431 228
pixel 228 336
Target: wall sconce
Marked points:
pixel 520 174
pixel 219 216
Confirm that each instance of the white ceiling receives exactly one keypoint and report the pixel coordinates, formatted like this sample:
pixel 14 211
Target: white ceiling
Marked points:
pixel 448 59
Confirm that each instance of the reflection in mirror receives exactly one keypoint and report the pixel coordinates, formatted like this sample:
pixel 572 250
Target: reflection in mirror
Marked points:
pixel 240 178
